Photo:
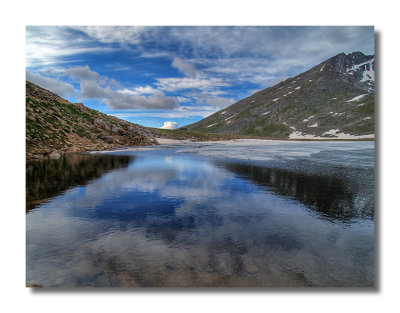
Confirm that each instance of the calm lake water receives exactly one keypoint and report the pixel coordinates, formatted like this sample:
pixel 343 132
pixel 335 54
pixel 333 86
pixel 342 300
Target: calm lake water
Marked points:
pixel 277 214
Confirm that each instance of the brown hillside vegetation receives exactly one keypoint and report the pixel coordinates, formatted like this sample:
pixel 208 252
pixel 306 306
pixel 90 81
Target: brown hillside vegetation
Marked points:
pixel 55 125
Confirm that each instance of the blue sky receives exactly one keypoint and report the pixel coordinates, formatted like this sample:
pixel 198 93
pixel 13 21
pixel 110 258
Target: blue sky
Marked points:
pixel 174 76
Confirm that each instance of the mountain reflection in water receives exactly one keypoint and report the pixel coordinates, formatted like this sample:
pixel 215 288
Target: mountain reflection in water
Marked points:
pixel 157 218
pixel 334 195
pixel 48 178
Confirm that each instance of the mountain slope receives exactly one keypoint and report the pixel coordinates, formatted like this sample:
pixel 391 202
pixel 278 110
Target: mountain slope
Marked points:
pixel 55 124
pixel 331 99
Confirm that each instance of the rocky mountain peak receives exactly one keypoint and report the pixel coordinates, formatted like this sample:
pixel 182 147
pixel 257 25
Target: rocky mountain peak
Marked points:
pixel 334 99
pixel 343 62
pixel 361 66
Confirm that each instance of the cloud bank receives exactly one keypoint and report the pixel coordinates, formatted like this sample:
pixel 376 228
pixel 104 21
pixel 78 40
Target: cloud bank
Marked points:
pixel 94 86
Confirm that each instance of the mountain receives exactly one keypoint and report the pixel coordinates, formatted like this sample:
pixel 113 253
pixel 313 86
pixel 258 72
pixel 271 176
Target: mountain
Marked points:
pixel 334 99
pixel 55 125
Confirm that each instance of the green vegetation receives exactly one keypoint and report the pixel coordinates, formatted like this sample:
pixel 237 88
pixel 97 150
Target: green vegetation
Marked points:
pixel 179 134
pixel 270 130
pixel 54 124
pixel 367 108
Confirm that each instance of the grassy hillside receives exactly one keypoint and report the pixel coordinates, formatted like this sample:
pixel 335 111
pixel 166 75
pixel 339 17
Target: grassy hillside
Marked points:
pixel 55 125
pixel 193 135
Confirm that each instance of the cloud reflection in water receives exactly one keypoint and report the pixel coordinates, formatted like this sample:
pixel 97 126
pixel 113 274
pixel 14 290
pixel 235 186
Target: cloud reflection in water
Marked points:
pixel 181 220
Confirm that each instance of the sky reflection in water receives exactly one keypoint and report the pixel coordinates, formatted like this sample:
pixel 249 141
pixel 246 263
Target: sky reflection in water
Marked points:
pixel 161 218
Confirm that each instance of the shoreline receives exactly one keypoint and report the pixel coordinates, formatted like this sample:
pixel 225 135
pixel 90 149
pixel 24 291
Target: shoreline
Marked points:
pixel 169 141
pixel 165 141
pixel 233 142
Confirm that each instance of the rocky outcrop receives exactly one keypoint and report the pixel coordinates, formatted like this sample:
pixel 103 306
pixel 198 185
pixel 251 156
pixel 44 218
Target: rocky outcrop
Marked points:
pixel 55 126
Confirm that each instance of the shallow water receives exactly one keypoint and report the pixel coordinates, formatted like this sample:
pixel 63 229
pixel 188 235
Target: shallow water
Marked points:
pixel 204 215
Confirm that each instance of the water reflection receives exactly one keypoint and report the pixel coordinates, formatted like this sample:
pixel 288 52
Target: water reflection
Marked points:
pixel 48 178
pixel 333 193
pixel 179 220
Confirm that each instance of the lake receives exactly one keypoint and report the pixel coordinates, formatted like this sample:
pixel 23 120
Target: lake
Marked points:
pixel 247 214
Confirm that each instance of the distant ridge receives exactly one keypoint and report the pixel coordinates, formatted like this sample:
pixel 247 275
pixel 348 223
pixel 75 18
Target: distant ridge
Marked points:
pixel 334 99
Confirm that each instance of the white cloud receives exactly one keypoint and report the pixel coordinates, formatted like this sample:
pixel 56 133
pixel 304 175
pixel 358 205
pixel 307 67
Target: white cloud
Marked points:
pixel 256 54
pixel 157 101
pixel 169 125
pixel 220 102
pixel 209 57
pixel 82 72
pixel 51 84
pixel 231 42
pixel 91 90
pixel 184 67
pixel 174 84
pixel 208 98
pixel 264 72
pixel 94 86
pixel 139 90
pixel 124 101
pixel 51 44
pixel 182 99
pixel 110 34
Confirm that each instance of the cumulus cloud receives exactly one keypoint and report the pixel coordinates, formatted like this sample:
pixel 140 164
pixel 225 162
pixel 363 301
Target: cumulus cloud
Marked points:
pixel 186 68
pixel 91 90
pixel 121 101
pixel 82 72
pixel 139 90
pixel 52 84
pixel 124 101
pixel 169 125
pixel 95 86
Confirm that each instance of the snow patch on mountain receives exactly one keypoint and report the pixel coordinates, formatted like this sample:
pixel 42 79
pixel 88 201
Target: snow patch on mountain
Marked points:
pixel 368 75
pixel 357 98
pixel 307 119
pixel 331 132
pixel 334 134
